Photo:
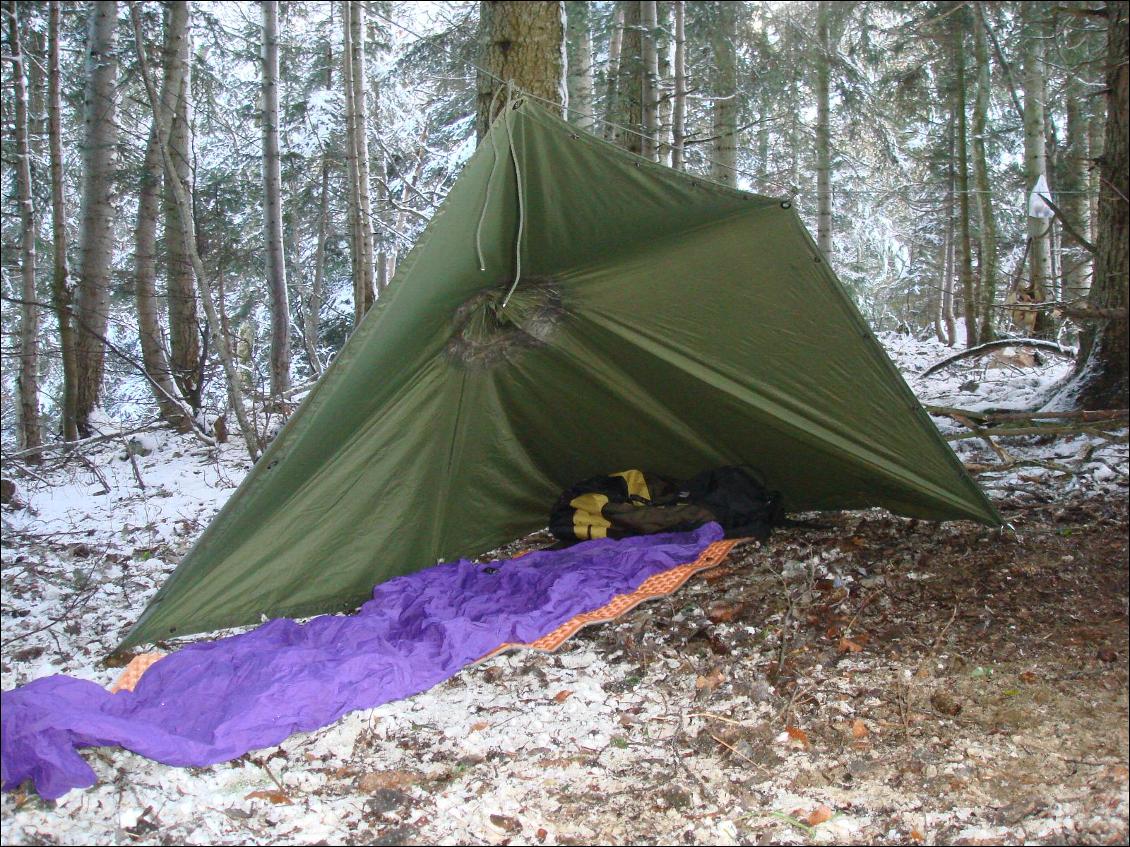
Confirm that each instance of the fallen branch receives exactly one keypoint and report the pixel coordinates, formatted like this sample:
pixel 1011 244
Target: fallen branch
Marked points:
pixel 86 442
pixel 991 417
pixel 1043 344
pixel 1092 428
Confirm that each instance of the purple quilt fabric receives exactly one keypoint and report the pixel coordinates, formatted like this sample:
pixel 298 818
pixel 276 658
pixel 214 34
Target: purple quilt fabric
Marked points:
pixel 211 702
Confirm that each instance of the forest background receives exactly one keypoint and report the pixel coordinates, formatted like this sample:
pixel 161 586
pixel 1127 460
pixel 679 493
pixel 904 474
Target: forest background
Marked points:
pixel 202 199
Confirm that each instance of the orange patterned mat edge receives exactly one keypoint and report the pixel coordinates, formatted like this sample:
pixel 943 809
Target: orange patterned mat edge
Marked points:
pixel 655 586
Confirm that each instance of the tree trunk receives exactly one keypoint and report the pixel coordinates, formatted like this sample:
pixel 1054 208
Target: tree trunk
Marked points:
pixel 353 199
pixel 1102 374
pixel 986 218
pixel 187 228
pixel 1035 165
pixel 823 134
pixel 612 96
pixel 523 43
pixel 965 243
pixel 948 264
pixel 361 146
pixel 663 84
pixel 1096 126
pixel 1075 262
pixel 61 291
pixel 317 292
pixel 679 107
pixel 629 87
pixel 153 355
pixel 649 81
pixel 724 151
pixel 272 207
pixel 380 202
pixel 96 235
pixel 184 320
pixel 580 80
pixel 28 378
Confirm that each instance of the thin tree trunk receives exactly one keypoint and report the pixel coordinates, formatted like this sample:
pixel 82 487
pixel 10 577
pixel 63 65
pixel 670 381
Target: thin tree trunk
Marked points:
pixel 679 107
pixel 1075 263
pixel 823 134
pixel 612 96
pixel 1103 373
pixel 61 292
pixel 153 355
pixel 523 43
pixel 356 249
pixel 986 218
pixel 649 82
pixel 724 151
pixel 187 228
pixel 31 436
pixel 380 202
pixel 664 85
pixel 1035 163
pixel 580 79
pixel 313 312
pixel 1096 126
pixel 272 208
pixel 948 266
pixel 361 146
pixel 969 298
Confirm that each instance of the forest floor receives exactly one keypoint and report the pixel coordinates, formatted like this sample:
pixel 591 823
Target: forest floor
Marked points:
pixel 876 680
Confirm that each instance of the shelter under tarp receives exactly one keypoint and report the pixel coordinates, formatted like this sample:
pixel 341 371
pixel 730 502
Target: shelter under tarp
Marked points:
pixel 659 321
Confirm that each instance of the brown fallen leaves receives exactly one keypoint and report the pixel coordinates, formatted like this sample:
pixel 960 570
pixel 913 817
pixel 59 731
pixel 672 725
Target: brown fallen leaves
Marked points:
pixel 798 737
pixel 821 814
pixel 276 797
pixel 379 780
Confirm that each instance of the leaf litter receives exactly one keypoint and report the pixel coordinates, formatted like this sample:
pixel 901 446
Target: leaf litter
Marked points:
pixel 878 680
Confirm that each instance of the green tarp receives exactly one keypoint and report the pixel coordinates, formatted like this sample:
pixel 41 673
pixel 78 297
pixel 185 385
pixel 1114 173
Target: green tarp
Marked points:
pixel 660 321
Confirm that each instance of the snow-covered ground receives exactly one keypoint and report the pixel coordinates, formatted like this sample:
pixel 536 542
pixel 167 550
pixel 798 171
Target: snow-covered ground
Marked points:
pixel 525 748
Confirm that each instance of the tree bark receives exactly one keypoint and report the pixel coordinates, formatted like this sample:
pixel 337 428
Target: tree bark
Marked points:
pixel 1035 165
pixel 612 96
pixel 949 252
pixel 679 107
pixel 96 235
pixel 823 134
pixel 272 208
pixel 61 289
pixel 153 355
pixel 184 328
pixel 187 227
pixel 649 81
pixel 31 436
pixel 630 82
pixel 580 79
pixel 724 151
pixel 1102 375
pixel 523 43
pixel 985 218
pixel 361 146
pixel 1075 262
pixel 965 242
pixel 664 85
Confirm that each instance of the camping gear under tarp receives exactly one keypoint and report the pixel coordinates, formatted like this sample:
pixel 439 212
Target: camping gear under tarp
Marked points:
pixel 657 320
pixel 210 702
pixel 636 502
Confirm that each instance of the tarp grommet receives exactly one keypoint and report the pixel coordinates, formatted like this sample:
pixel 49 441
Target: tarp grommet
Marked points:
pixel 785 204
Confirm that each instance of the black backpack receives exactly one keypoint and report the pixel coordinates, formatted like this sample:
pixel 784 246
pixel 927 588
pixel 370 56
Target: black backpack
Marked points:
pixel 639 503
